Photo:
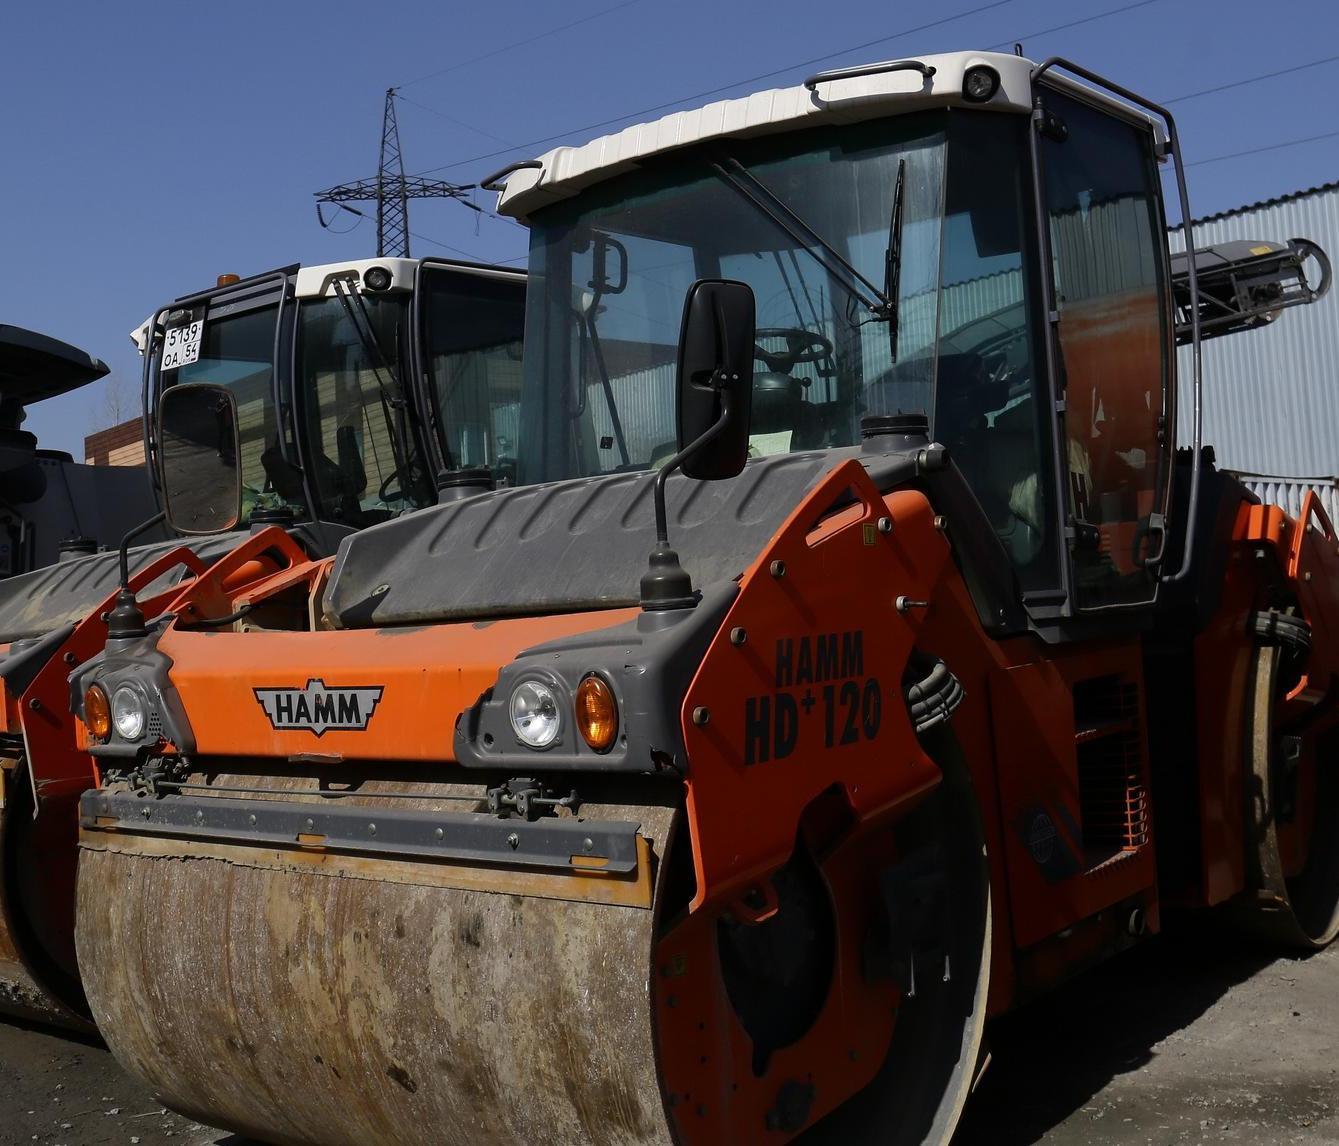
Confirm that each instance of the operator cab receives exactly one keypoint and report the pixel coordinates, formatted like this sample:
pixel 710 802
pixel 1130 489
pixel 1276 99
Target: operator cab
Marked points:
pixel 888 224
pixel 346 379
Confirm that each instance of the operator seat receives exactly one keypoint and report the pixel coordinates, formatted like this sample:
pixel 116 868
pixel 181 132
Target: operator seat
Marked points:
pixel 779 405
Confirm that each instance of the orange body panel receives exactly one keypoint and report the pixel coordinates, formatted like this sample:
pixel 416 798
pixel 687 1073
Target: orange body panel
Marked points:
pixel 812 697
pixel 428 675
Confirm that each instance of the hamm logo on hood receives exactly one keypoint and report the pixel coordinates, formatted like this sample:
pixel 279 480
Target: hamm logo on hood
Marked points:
pixel 318 708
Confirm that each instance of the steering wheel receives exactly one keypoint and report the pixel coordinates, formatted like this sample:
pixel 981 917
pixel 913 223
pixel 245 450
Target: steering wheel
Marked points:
pixel 801 346
pixel 385 494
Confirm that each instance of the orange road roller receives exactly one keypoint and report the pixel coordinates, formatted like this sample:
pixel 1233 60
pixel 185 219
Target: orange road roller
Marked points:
pixel 847 654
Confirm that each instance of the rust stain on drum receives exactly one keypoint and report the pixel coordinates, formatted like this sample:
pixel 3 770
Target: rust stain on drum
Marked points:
pixel 302 1001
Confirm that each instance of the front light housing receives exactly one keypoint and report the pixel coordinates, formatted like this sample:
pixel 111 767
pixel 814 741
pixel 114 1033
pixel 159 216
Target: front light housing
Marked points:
pixel 377 278
pixel 535 717
pixel 979 83
pixel 596 712
pixel 128 715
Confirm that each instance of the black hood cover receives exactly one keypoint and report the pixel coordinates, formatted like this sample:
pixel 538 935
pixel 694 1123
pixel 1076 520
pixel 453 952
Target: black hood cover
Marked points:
pixel 563 547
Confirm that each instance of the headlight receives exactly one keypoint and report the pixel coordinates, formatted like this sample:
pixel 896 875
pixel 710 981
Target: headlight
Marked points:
pixel 980 83
pixel 534 714
pixel 377 278
pixel 128 713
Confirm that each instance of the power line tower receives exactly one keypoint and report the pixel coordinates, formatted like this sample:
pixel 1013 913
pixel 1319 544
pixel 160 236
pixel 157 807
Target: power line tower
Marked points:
pixel 391 191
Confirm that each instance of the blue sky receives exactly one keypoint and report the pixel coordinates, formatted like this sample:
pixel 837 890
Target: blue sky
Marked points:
pixel 149 147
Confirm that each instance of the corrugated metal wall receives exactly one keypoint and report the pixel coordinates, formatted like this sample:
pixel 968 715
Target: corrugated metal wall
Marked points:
pixel 1289 492
pixel 1271 396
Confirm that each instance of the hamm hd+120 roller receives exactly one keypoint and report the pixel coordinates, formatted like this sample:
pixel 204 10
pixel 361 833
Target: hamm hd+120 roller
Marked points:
pixel 947 675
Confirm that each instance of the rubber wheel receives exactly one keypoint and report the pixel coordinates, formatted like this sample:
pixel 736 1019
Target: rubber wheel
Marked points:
pixel 920 1091
pixel 1299 911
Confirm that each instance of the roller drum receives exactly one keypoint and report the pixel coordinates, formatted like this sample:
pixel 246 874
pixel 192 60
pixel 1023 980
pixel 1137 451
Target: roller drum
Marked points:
pixel 323 999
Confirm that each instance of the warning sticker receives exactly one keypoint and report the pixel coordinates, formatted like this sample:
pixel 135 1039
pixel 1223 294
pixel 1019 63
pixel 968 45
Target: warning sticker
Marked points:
pixel 764 445
pixel 182 345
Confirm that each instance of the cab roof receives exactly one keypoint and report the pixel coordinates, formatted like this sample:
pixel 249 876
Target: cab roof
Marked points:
pixel 925 82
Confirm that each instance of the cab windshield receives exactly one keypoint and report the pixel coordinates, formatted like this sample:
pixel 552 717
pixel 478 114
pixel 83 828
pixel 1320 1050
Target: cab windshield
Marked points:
pixel 610 269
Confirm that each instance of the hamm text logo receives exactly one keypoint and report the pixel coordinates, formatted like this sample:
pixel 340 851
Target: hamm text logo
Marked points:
pixel 317 708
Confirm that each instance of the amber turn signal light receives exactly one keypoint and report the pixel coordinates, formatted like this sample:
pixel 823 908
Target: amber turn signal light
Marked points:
pixel 597 713
pixel 97 712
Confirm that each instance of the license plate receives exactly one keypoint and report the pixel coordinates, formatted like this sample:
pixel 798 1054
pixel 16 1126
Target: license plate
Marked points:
pixel 182 345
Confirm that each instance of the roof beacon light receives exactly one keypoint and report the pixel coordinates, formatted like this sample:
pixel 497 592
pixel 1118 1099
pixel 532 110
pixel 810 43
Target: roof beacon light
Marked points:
pixel 980 83
pixel 228 280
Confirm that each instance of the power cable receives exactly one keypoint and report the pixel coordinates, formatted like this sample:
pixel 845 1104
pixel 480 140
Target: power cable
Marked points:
pixel 1252 80
pixel 451 119
pixel 750 80
pixel 1265 147
pixel 473 256
pixel 521 43
pixel 1072 24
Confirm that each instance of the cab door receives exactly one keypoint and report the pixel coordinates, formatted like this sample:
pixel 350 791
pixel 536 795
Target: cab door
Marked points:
pixel 1111 343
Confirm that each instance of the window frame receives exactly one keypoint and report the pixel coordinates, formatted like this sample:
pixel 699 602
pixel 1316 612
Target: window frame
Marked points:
pixel 273 288
pixel 1049 607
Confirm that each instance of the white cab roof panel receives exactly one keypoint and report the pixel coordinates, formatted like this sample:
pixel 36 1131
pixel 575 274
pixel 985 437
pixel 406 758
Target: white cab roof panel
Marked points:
pixel 316 281
pixel 564 171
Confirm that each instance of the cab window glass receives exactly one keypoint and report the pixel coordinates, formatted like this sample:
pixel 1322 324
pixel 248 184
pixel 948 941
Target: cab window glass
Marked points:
pixel 236 351
pixel 474 328
pixel 987 405
pixel 365 464
pixel 1106 242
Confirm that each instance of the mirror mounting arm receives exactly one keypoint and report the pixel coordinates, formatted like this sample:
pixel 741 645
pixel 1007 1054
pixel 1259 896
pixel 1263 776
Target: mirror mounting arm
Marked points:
pixel 666 584
pixel 126 619
pixel 143 527
pixel 677 460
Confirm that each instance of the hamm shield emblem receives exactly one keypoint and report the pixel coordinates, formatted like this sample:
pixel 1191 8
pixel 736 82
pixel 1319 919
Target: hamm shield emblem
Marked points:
pixel 318 708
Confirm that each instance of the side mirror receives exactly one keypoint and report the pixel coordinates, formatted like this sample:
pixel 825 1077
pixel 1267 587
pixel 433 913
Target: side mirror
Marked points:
pixel 715 380
pixel 199 450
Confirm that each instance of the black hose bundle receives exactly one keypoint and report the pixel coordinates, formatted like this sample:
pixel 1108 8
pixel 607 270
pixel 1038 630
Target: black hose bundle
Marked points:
pixel 932 691
pixel 1289 632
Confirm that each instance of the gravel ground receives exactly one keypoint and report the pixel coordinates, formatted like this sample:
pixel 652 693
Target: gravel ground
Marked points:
pixel 1175 1042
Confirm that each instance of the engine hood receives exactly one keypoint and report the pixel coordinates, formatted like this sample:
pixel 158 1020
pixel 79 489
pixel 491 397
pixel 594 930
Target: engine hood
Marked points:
pixel 563 547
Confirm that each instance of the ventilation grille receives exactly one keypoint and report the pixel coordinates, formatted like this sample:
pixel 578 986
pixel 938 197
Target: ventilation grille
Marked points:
pixel 1113 798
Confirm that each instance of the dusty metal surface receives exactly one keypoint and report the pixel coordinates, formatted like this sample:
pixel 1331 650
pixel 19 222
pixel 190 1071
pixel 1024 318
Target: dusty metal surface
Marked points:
pixel 326 1004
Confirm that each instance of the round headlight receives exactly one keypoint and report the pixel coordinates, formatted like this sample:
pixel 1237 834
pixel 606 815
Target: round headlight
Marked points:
pixel 377 278
pixel 534 714
pixel 128 713
pixel 980 83
pixel 97 713
pixel 597 712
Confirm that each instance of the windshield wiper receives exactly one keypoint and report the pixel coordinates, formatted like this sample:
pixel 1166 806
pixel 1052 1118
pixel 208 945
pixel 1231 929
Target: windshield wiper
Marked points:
pixel 393 404
pixel 892 258
pixel 876 301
